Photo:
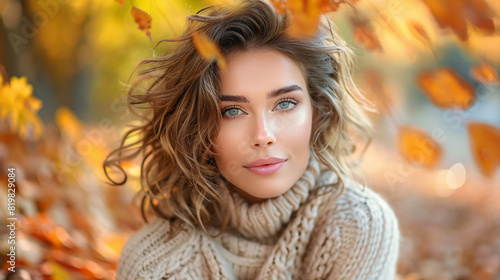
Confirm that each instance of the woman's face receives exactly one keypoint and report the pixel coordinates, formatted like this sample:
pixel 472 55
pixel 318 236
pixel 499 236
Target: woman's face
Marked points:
pixel 267 113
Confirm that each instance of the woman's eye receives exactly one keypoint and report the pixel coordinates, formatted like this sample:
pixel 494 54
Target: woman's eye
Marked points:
pixel 287 104
pixel 232 112
pixel 284 105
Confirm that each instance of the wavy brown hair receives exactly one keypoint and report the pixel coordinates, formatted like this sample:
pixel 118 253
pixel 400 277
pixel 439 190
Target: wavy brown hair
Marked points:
pixel 180 92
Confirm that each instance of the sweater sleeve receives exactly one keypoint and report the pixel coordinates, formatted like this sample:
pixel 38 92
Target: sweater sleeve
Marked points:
pixel 360 238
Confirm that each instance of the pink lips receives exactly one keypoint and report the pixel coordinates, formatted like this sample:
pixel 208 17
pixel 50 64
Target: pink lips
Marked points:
pixel 266 166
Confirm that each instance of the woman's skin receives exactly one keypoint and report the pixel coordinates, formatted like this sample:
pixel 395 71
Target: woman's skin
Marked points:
pixel 263 127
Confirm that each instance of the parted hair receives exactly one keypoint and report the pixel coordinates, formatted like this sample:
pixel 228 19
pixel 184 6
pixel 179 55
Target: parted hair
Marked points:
pixel 178 93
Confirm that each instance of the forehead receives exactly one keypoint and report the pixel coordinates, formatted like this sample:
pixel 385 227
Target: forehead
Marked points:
pixel 258 71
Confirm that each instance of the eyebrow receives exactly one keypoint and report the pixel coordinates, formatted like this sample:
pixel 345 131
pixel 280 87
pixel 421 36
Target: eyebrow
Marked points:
pixel 271 94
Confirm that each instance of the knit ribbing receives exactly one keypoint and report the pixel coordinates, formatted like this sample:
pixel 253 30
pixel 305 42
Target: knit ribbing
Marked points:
pixel 263 220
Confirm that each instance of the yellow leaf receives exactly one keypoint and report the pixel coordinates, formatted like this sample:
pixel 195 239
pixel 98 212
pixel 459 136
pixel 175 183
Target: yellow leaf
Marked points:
pixel 20 87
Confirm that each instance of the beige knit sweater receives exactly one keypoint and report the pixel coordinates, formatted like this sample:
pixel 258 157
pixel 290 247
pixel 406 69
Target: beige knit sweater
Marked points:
pixel 280 238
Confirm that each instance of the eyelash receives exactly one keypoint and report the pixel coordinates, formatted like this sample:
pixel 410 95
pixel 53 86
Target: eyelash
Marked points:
pixel 288 99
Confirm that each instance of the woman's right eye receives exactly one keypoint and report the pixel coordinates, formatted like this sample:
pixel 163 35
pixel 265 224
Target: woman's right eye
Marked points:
pixel 231 112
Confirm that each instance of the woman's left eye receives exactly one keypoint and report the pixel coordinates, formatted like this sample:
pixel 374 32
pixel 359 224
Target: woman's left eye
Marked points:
pixel 285 104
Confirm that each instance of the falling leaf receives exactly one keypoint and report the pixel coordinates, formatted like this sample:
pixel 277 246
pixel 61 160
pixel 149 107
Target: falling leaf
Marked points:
pixel 484 73
pixel 446 89
pixel 305 14
pixel 454 14
pixel 142 19
pixel 331 5
pixel 364 34
pixel 121 2
pixel 419 32
pixel 418 147
pixel 485 145
pixel 208 49
pixel 480 15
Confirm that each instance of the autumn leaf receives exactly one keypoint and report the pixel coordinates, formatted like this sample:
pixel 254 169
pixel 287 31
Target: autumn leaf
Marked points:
pixel 418 147
pixel 17 102
pixel 121 2
pixel 142 19
pixel 480 15
pixel 446 89
pixel 484 73
pixel 208 49
pixel 364 34
pixel 419 32
pixel 485 146
pixel 454 14
pixel 331 5
pixel 305 14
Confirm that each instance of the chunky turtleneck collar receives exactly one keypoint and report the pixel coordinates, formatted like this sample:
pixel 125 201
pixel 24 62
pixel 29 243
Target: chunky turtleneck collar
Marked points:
pixel 263 220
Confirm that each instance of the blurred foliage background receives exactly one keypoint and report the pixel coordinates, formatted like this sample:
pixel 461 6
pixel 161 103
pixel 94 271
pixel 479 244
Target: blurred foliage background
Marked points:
pixel 431 67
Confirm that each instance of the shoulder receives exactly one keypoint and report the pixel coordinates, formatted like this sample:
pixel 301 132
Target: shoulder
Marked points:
pixel 141 254
pixel 357 203
pixel 360 234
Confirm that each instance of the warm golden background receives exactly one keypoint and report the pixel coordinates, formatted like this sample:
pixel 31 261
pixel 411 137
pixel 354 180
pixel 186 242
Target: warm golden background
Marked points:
pixel 431 66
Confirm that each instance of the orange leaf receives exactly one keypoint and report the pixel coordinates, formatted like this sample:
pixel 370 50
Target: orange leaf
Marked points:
pixel 305 14
pixel 305 17
pixel 419 32
pixel 448 14
pixel 330 5
pixel 208 49
pixel 418 147
pixel 484 73
pixel 446 89
pixel 485 146
pixel 121 2
pixel 480 15
pixel 364 34
pixel 142 19
pixel 454 14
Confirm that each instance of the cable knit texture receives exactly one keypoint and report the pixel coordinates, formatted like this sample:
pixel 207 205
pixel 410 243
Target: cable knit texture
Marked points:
pixel 281 238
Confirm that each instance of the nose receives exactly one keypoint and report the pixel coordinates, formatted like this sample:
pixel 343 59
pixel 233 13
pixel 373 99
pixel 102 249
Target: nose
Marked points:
pixel 263 134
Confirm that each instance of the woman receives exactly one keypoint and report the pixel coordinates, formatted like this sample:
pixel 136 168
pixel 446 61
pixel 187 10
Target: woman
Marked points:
pixel 245 165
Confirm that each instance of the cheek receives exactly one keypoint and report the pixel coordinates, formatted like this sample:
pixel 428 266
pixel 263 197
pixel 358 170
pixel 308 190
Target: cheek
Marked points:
pixel 295 128
pixel 228 146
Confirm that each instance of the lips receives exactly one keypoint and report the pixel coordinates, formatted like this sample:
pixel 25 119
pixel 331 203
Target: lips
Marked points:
pixel 265 161
pixel 266 166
